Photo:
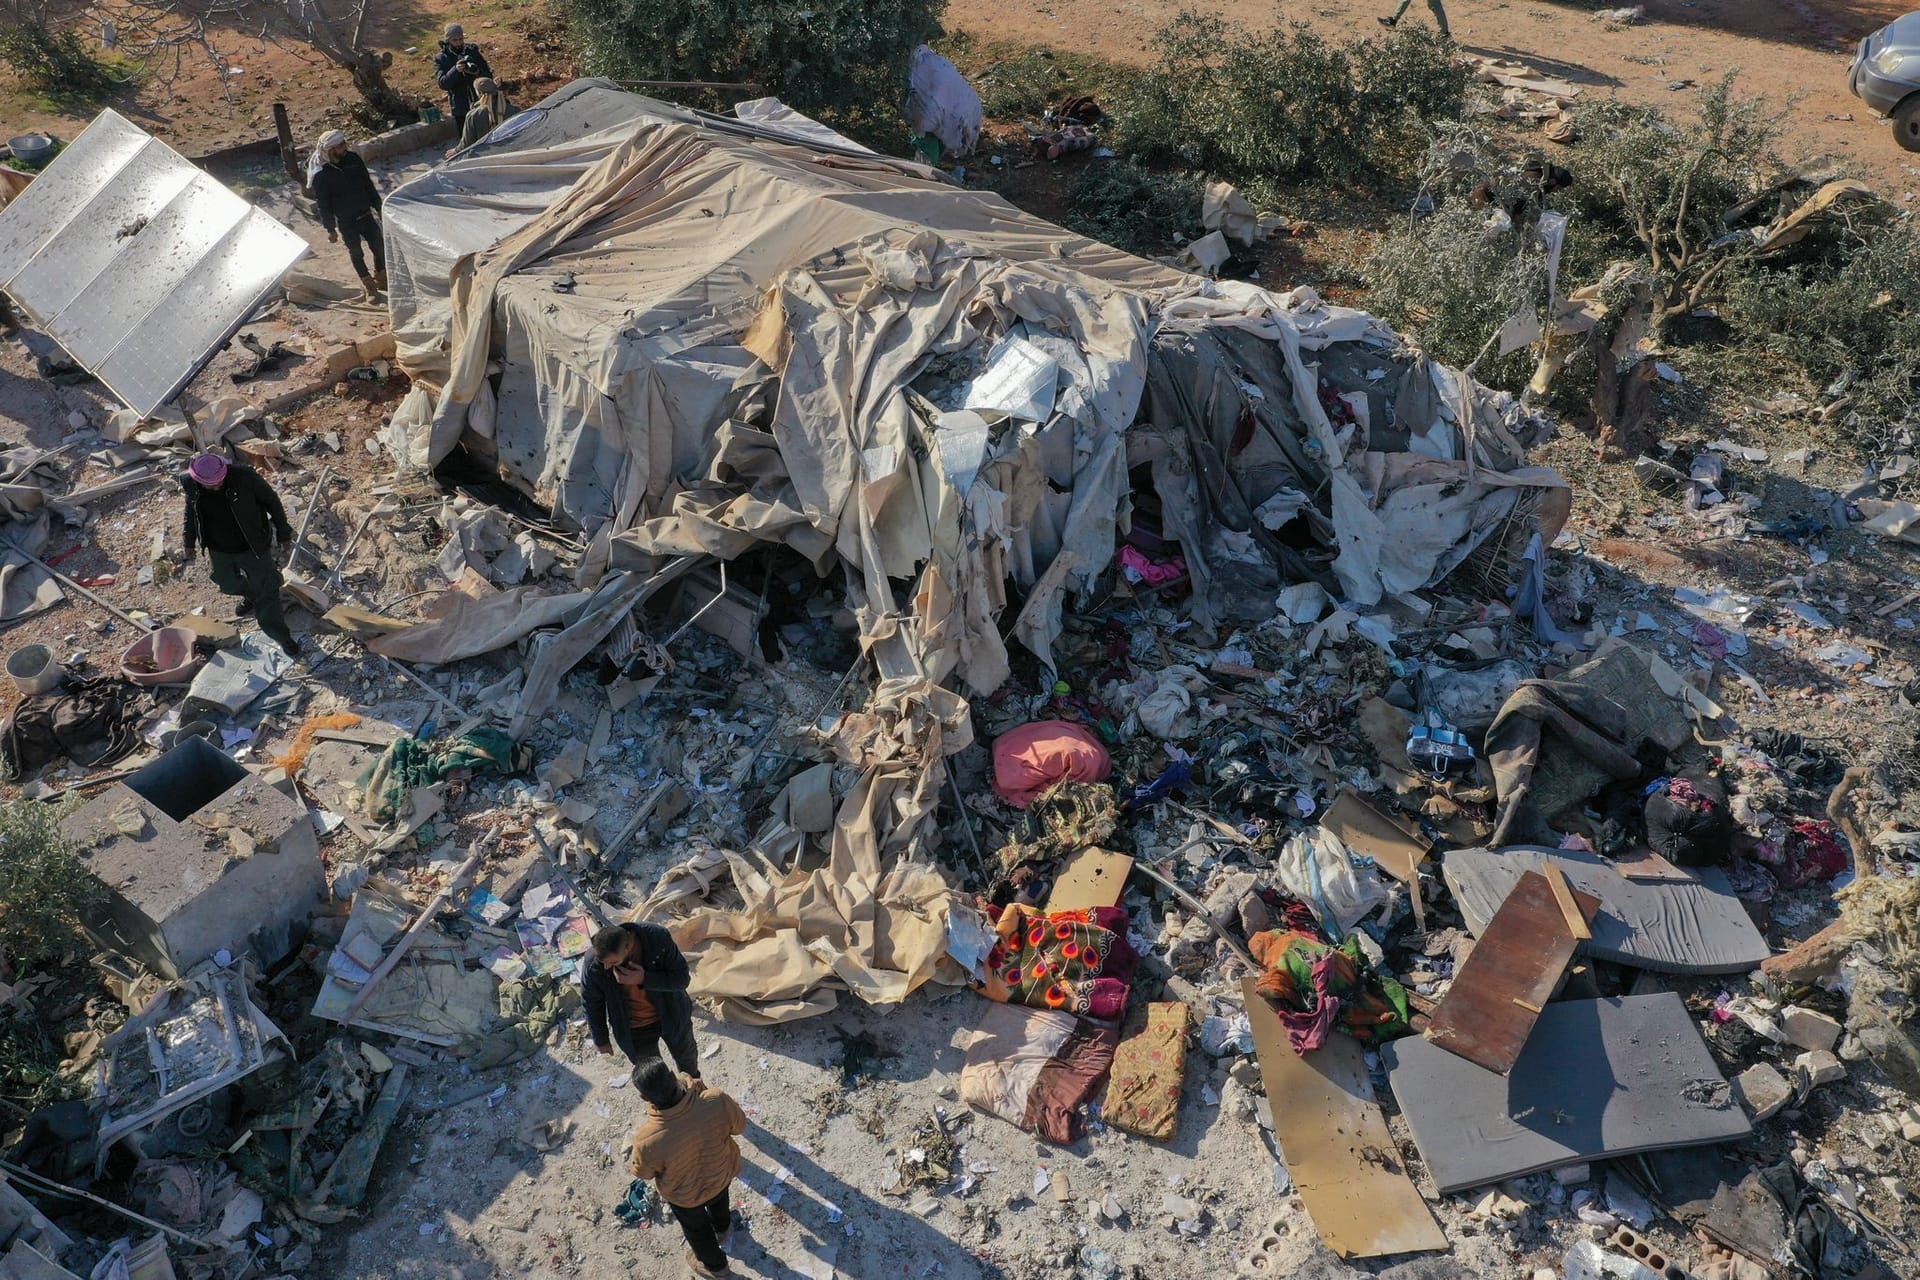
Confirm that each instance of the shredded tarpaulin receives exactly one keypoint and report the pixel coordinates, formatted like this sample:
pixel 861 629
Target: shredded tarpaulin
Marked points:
pixel 410 763
pixel 296 753
pixel 1149 1070
pixel 1036 1068
pixel 1079 961
pixel 1318 988
pixel 1033 758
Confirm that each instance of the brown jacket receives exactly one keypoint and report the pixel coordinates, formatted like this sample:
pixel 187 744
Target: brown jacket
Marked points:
pixel 687 1151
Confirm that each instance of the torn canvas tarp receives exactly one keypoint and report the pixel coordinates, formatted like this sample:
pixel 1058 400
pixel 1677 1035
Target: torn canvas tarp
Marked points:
pixel 700 336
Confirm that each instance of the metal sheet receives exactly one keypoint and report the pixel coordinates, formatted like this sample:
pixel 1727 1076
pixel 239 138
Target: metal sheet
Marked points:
pixel 136 262
pixel 88 164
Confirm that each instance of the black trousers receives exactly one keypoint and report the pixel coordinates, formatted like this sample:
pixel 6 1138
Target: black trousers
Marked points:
pixel 364 229
pixel 704 1224
pixel 645 1044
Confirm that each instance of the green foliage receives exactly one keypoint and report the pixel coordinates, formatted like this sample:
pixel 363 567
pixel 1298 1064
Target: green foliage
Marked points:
pixel 1452 279
pixel 1020 87
pixel 56 62
pixel 1287 103
pixel 1669 190
pixel 45 890
pixel 1848 314
pixel 1133 208
pixel 844 61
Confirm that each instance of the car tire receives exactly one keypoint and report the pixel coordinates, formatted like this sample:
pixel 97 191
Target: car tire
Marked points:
pixel 1906 123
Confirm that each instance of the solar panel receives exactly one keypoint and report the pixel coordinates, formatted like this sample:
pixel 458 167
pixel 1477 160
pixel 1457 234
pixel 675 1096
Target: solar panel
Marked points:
pixel 136 262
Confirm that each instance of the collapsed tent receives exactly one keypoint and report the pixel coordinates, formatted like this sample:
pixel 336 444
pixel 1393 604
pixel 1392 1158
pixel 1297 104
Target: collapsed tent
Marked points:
pixel 691 335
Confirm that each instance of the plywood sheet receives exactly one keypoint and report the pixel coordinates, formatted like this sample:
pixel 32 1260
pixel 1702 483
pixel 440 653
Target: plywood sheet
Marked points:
pixel 1395 843
pixel 1598 1079
pixel 1515 967
pixel 1336 1144
pixel 1091 878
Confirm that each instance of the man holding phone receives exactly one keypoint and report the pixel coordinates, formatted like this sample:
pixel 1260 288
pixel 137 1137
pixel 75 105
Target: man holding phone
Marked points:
pixel 456 67
pixel 635 987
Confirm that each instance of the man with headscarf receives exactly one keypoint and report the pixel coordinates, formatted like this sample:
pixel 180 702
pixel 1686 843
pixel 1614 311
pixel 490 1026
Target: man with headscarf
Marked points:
pixel 349 206
pixel 237 517
pixel 456 67
pixel 490 110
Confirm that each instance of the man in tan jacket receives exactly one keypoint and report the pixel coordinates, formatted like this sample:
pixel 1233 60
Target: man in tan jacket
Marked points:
pixel 686 1149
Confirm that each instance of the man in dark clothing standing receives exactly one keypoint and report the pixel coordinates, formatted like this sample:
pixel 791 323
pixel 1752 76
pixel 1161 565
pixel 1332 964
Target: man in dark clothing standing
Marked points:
pixel 237 516
pixel 349 206
pixel 635 986
pixel 456 67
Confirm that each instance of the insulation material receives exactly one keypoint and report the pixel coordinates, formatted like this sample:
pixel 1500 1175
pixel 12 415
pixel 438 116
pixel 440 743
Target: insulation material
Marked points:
pixel 1588 1086
pixel 1665 926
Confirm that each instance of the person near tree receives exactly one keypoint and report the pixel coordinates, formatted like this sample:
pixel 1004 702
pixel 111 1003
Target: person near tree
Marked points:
pixel 686 1149
pixel 635 987
pixel 237 517
pixel 1439 16
pixel 456 67
pixel 349 205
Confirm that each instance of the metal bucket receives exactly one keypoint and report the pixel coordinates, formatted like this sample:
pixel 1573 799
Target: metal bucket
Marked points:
pixel 34 669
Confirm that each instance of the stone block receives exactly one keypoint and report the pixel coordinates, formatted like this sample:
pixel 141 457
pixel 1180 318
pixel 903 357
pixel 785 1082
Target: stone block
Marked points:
pixel 1809 1028
pixel 1821 1066
pixel 1762 1090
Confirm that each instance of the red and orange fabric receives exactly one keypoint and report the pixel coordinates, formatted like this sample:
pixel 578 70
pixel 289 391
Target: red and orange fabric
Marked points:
pixel 1318 988
pixel 1077 961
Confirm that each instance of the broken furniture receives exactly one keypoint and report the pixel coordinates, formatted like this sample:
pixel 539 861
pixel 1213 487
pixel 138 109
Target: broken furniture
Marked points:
pixel 1598 1079
pixel 199 854
pixel 170 1061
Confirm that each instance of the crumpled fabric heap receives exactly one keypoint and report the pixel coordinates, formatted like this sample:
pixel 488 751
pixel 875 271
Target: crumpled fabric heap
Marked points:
pixel 1077 961
pixel 1318 988
pixel 1809 851
pixel 1033 758
pixel 408 763
pixel 1069 817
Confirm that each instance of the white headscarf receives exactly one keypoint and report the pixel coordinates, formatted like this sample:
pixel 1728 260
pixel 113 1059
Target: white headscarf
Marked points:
pixel 318 160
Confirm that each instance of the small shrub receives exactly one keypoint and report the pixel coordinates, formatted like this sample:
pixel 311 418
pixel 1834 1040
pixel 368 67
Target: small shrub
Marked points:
pixel 1019 88
pixel 1452 279
pixel 45 890
pixel 843 61
pixel 55 62
pixel 1287 103
pixel 1133 208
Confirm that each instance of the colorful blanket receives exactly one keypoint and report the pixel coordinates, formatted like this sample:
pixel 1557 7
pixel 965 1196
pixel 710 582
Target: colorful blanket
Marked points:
pixel 1149 1070
pixel 1317 987
pixel 1036 1068
pixel 1077 961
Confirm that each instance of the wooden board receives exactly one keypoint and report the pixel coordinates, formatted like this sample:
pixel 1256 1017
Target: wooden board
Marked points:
pixel 1090 878
pixel 1516 966
pixel 1645 864
pixel 1393 842
pixel 1335 1142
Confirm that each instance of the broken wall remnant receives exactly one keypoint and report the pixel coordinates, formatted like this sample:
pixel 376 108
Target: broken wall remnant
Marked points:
pixel 199 854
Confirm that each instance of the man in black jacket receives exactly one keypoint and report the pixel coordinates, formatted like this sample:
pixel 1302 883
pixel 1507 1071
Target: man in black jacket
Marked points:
pixel 635 985
pixel 236 516
pixel 456 67
pixel 349 205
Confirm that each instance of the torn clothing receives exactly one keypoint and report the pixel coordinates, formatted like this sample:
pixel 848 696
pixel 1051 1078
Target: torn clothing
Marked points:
pixel 245 503
pixel 343 192
pixel 688 1150
pixel 610 1015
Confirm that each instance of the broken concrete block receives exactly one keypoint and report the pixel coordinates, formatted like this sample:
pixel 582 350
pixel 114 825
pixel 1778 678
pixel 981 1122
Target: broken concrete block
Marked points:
pixel 1809 1028
pixel 1572 1175
pixel 1762 1090
pixel 220 859
pixel 1821 1066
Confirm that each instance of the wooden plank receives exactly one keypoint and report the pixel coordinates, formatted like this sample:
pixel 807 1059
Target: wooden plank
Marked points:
pixel 1516 965
pixel 1645 864
pixel 1336 1144
pixel 1091 878
pixel 1395 844
pixel 1563 898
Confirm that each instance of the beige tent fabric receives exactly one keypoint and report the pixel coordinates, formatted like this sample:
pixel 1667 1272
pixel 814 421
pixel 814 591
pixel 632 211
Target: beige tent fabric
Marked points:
pixel 715 338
